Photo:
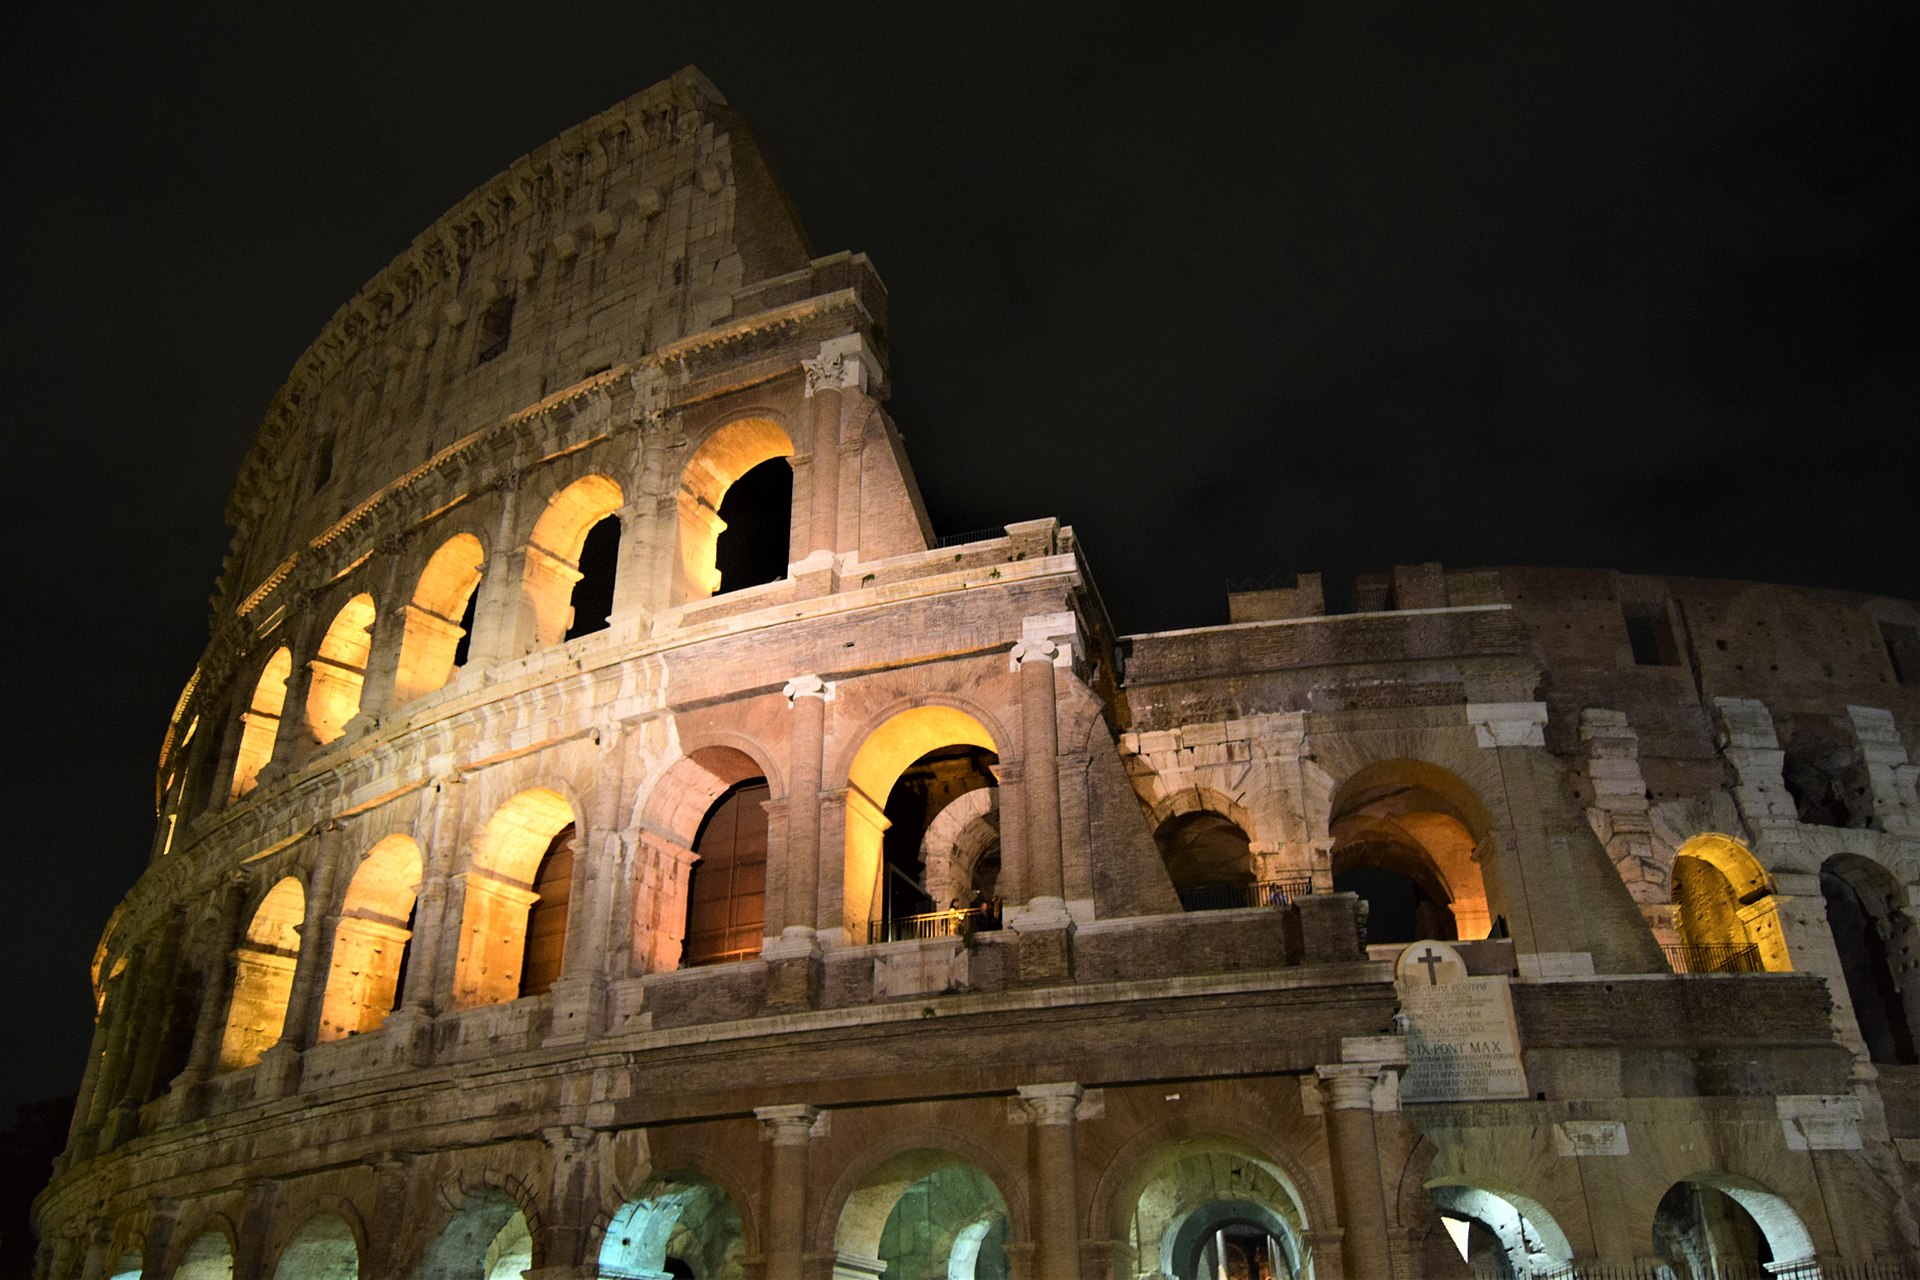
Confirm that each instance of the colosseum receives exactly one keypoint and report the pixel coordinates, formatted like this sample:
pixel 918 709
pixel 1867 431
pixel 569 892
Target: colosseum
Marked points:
pixel 550 881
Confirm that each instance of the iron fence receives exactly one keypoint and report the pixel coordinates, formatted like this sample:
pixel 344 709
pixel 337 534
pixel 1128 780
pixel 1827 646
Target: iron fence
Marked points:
pixel 1260 893
pixel 1713 957
pixel 953 923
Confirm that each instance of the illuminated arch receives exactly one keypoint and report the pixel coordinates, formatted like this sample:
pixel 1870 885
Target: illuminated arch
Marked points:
pixel 263 975
pixel 1723 903
pixel 323 1249
pixel 958 1215
pixel 1414 824
pixel 677 809
pixel 1771 1216
pixel 553 552
pixel 370 941
pixel 338 673
pixel 961 850
pixel 883 757
pixel 489 1237
pixel 721 459
pixel 432 636
pixel 1168 1197
pixel 209 1257
pixel 260 722
pixel 502 891
pixel 1528 1238
pixel 684 1218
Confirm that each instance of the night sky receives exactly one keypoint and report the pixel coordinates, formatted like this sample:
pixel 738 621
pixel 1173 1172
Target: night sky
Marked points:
pixel 1332 289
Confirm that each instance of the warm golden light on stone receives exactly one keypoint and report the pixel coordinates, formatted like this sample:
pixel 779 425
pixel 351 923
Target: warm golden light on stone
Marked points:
pixel 339 672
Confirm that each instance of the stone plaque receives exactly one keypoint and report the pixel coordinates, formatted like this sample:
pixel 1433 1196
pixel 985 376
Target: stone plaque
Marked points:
pixel 1462 1044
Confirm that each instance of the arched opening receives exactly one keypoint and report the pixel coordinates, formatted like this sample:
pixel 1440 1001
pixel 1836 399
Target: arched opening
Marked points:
pixel 371 939
pixel 924 1215
pixel 1826 775
pixel 339 671
pixel 599 569
pixel 721 461
pixel 559 590
pixel 905 773
pixel 1209 859
pixel 263 976
pixel 439 618
pixel 209 1257
pixel 680 810
pixel 727 885
pixel 260 722
pixel 510 946
pixel 324 1249
pixel 1875 939
pixel 127 1267
pixel 1724 910
pixel 755 518
pixel 1501 1235
pixel 1712 1225
pixel 961 856
pixel 684 1226
pixel 1205 1209
pixel 1406 838
pixel 487 1239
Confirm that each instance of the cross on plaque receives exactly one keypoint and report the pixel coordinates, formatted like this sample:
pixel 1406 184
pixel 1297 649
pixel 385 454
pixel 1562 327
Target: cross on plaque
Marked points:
pixel 1433 960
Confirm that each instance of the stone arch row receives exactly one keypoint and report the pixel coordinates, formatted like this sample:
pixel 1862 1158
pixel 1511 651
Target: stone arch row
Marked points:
pixel 1407 835
pixel 376 654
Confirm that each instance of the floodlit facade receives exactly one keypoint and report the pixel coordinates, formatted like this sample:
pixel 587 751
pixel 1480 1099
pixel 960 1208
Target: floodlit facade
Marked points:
pixel 544 884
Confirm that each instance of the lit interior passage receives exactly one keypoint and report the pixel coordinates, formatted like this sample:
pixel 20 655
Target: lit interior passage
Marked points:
pixel 685 1227
pixel 439 618
pixel 1500 1233
pixel 1724 910
pixel 487 1239
pixel 925 792
pixel 924 1215
pixel 509 946
pixel 1207 1212
pixel 209 1257
pixel 934 739
pixel 960 853
pixel 1404 839
pixel 371 939
pixel 724 458
pixel 260 722
pixel 338 673
pixel 554 554
pixel 127 1268
pixel 323 1249
pixel 263 976
pixel 1714 1225
pixel 727 886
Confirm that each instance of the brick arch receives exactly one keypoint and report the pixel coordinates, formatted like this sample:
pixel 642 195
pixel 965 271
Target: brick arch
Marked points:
pixel 681 794
pixel 1423 821
pixel 370 936
pixel 437 1256
pixel 840 771
pixel 955 842
pixel 260 722
pixel 502 869
pixel 672 1162
pixel 725 452
pixel 1134 1165
pixel 337 673
pixel 1723 897
pixel 293 1225
pixel 263 972
pixel 431 635
pixel 210 1222
pixel 1198 799
pixel 942 1147
pixel 551 566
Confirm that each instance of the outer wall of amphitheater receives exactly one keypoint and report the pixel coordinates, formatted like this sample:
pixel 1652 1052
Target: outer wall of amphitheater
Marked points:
pixel 536 889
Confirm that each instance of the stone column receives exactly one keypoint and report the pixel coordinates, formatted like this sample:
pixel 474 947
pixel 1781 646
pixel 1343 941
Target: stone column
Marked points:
pixel 1356 1167
pixel 580 993
pixel 257 1208
pixel 1052 1108
pixel 156 1002
pixel 392 610
pixel 207 1029
pixel 387 1232
pixel 800 918
pixel 823 505
pixel 316 947
pixel 789 1133
pixel 1043 881
pixel 122 998
pixel 496 610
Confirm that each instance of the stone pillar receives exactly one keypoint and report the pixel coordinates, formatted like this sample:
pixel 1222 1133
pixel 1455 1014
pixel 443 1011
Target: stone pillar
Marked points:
pixel 1052 1108
pixel 208 1028
pixel 823 505
pixel 257 1208
pixel 579 995
pixel 392 611
pixel 789 1133
pixel 800 915
pixel 83 1103
pixel 496 611
pixel 387 1232
pixel 156 1001
pixel 1043 880
pixel 1356 1167
pixel 565 1226
pixel 122 999
pixel 96 1260
pixel 316 947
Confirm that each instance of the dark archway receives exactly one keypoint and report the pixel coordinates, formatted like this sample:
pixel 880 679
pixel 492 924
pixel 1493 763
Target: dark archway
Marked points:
pixel 727 887
pixel 599 571
pixel 757 514
pixel 1208 858
pixel 921 793
pixel 1868 927
pixel 546 944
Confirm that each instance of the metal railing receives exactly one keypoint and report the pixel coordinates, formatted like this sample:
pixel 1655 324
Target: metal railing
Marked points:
pixel 1713 957
pixel 1260 893
pixel 972 535
pixel 955 922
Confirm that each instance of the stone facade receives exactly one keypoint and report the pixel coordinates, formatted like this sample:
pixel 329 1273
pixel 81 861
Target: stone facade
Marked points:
pixel 1028 949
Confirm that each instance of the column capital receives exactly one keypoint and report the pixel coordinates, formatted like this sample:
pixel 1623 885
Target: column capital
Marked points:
pixel 843 362
pixel 1045 651
pixel 808 686
pixel 1053 1103
pixel 788 1124
pixel 1350 1084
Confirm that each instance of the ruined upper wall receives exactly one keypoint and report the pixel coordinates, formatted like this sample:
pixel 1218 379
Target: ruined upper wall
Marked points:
pixel 628 232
